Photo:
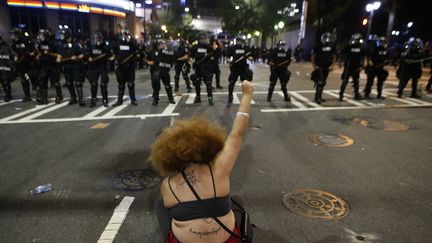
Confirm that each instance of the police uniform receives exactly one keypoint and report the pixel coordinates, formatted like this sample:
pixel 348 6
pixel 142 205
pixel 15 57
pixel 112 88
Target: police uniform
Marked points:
pixel 323 56
pixel 279 59
pixel 238 67
pixel 74 71
pixel 25 64
pixel 200 53
pixel 355 55
pixel 214 62
pixel 377 59
pixel 162 62
pixel 98 67
pixel 125 52
pixel 7 70
pixel 50 70
pixel 182 67
pixel 410 68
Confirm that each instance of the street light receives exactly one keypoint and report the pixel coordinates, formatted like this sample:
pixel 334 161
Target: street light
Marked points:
pixel 237 7
pixel 257 33
pixel 281 24
pixel 371 7
pixel 163 28
pixel 187 10
pixel 410 24
pixel 276 27
pixel 249 36
pixel 148 2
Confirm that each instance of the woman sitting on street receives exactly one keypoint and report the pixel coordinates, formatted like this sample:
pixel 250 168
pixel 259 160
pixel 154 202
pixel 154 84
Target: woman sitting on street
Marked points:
pixel 207 156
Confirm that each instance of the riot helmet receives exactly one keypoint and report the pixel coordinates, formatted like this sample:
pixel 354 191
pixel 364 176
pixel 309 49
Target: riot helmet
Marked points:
pixel 203 38
pixel 415 43
pixel 16 34
pixel 280 44
pixel 326 38
pixel 356 39
pixel 240 40
pixel 43 35
pixel 97 38
pixel 125 36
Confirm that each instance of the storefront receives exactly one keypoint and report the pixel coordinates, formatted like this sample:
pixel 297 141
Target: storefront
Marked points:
pixel 86 16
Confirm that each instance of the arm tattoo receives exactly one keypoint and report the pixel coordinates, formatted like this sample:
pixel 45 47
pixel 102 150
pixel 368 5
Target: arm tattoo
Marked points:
pixel 208 220
pixel 191 177
pixel 213 231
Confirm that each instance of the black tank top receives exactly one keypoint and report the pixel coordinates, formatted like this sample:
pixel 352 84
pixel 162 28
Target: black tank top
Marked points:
pixel 184 211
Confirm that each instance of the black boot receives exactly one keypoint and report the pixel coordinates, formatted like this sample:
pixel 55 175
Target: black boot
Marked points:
pixel 168 90
pixel 176 84
pixel 119 98
pixel 357 96
pixel 270 93
pixel 27 96
pixel 318 94
pixel 210 99
pixel 230 93
pixel 217 77
pixel 7 90
pixel 198 94
pixel 197 99
pixel 379 95
pixel 155 97
pixel 81 101
pixel 44 96
pixel 73 99
pixel 131 88
pixel 39 96
pixel 210 93
pixel 104 92
pixel 59 95
pixel 287 98
pixel 188 85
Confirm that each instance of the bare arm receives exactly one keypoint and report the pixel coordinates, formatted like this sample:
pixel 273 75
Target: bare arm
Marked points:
pixel 228 156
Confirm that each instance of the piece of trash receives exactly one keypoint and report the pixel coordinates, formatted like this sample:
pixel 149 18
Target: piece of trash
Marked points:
pixel 41 189
pixel 18 108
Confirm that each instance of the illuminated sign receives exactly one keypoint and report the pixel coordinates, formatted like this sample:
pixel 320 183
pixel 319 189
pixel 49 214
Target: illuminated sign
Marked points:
pixel 85 8
pixel 120 4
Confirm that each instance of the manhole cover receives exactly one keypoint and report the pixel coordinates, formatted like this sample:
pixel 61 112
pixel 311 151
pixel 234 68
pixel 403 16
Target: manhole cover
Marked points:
pixel 331 140
pixel 134 180
pixel 385 125
pixel 315 204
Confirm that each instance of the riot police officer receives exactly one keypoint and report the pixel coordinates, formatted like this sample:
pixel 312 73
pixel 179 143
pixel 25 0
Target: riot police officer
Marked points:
pixel 411 66
pixel 279 59
pixel 354 61
pixel 97 63
pixel 7 72
pixel 24 53
pixel 376 59
pixel 72 54
pixel 125 55
pixel 182 65
pixel 238 53
pixel 214 61
pixel 201 55
pixel 161 59
pixel 49 59
pixel 323 57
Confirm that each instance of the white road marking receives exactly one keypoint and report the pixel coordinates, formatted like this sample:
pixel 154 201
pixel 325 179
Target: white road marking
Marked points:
pixel 398 99
pixel 117 219
pixel 100 109
pixel 23 113
pixel 339 108
pixel 345 99
pixel 191 98
pixel 293 101
pixel 42 112
pixel 236 99
pixel 170 108
pixel 10 102
pixel 117 109
pixel 304 99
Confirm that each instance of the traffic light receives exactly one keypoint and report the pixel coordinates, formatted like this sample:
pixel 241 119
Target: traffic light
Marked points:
pixel 365 21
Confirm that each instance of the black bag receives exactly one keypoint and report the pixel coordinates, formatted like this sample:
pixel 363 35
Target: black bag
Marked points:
pixel 315 75
pixel 246 228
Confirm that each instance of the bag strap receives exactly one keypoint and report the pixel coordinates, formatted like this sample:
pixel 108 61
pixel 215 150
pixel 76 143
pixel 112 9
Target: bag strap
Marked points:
pixel 206 207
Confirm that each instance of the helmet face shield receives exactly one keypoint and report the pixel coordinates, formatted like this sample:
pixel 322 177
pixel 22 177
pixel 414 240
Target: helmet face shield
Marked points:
pixel 326 38
pixel 356 39
pixel 125 36
pixel 281 44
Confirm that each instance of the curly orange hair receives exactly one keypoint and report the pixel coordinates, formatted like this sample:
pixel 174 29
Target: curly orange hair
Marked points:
pixel 195 140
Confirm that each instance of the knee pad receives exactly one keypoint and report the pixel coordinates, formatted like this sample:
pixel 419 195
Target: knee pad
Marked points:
pixel 249 75
pixel 131 85
pixel 121 86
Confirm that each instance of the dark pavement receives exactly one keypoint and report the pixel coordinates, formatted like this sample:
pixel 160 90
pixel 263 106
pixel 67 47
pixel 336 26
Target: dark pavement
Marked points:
pixel 384 176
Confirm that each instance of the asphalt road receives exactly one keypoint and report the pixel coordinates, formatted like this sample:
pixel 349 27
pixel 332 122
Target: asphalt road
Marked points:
pixel 384 175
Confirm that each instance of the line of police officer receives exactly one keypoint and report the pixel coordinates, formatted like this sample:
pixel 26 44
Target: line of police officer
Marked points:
pixel 53 54
pixel 323 58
